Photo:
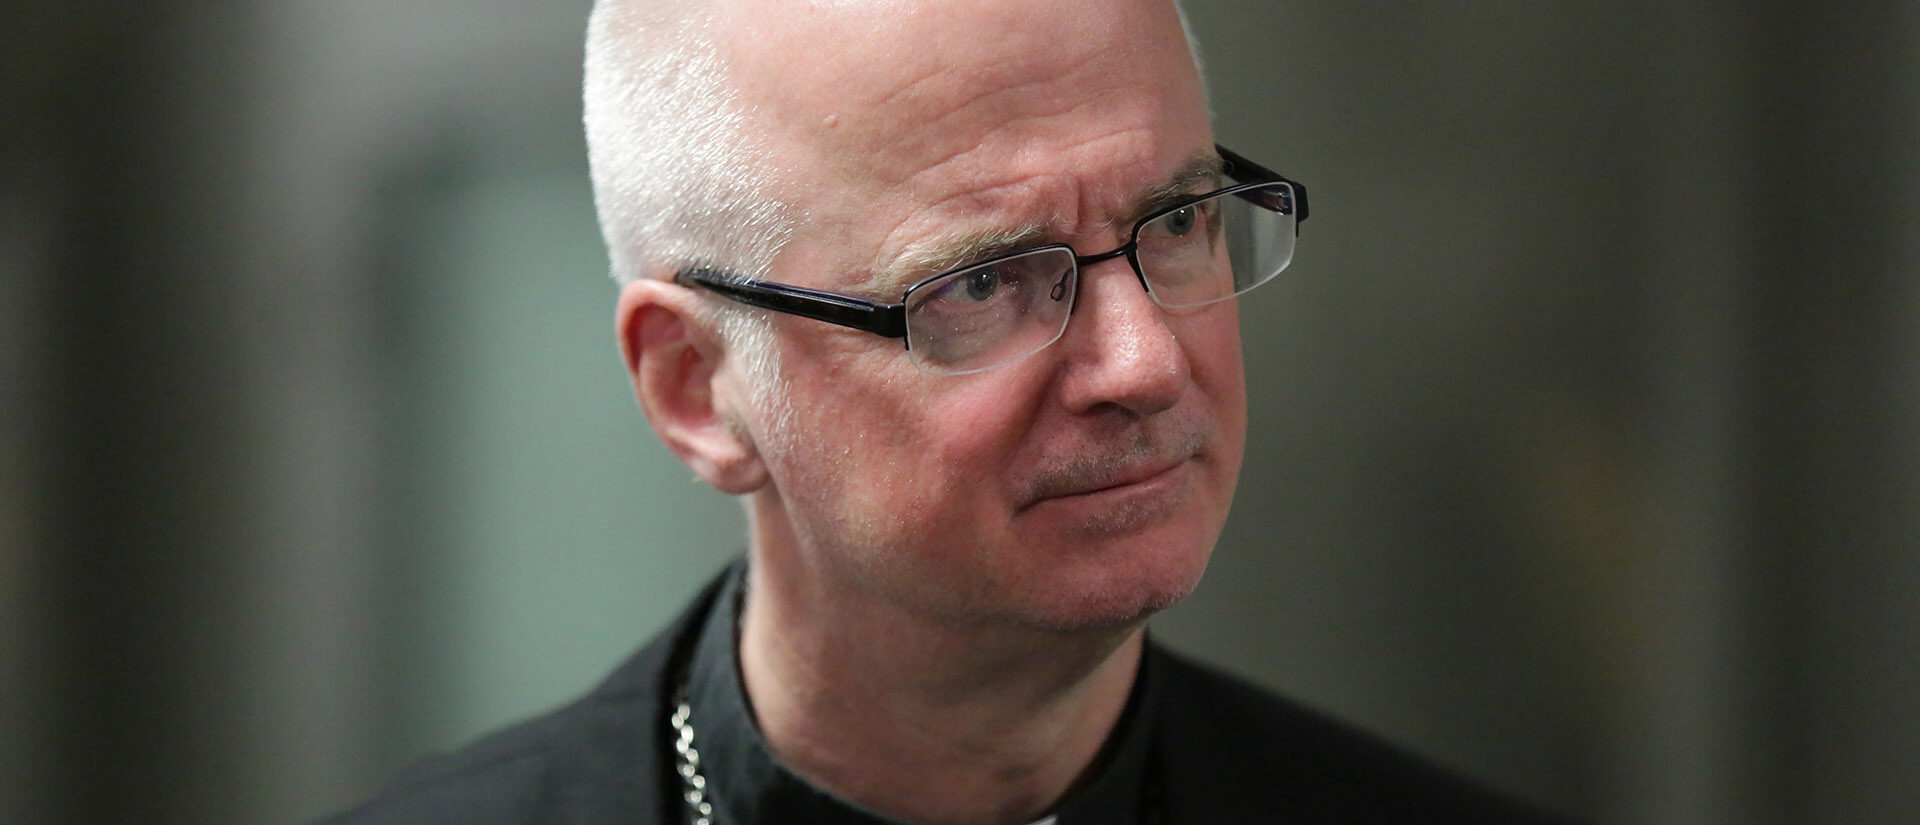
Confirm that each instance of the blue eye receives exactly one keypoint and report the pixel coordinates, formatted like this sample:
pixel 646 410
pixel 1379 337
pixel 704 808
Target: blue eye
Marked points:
pixel 1180 221
pixel 981 283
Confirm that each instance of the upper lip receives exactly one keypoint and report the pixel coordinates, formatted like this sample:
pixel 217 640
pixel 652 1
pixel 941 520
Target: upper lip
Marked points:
pixel 1077 484
pixel 1132 475
pixel 1106 460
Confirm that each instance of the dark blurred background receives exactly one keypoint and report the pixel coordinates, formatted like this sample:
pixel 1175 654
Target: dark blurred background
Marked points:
pixel 1586 442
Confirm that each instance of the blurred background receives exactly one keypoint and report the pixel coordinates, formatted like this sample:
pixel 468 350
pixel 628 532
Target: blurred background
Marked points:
pixel 1586 426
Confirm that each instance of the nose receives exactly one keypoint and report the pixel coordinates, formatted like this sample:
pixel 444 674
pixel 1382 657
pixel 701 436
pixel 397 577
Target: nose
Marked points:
pixel 1120 351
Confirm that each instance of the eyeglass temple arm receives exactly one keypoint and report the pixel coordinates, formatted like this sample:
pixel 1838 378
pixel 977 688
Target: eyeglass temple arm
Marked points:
pixel 1246 171
pixel 889 320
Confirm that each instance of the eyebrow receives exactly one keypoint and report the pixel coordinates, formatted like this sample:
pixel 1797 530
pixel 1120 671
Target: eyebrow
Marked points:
pixel 948 252
pixel 1197 176
pixel 954 251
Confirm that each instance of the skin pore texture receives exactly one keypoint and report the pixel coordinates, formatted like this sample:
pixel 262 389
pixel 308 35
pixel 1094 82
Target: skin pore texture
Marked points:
pixel 951 574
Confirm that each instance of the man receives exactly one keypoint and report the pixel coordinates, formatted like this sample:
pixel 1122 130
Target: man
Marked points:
pixel 944 292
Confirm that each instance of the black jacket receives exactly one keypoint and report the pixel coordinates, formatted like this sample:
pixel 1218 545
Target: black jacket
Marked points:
pixel 1229 753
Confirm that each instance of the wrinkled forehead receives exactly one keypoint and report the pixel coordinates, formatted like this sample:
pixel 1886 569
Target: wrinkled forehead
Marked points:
pixel 930 99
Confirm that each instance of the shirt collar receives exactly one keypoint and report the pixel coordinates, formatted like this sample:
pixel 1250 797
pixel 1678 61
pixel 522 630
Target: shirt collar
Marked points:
pixel 746 782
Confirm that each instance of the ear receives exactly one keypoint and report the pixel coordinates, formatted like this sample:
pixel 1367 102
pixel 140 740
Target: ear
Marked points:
pixel 681 375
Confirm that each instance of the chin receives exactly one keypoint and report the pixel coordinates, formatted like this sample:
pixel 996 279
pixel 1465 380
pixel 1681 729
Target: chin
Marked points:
pixel 1121 595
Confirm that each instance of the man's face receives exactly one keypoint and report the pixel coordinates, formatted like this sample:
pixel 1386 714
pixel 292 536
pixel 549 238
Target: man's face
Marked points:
pixel 1082 486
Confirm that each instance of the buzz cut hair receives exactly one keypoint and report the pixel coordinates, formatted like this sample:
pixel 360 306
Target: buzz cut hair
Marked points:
pixel 679 181
pixel 680 178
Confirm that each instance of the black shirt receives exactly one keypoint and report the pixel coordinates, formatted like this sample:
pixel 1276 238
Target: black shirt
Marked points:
pixel 746 782
pixel 1212 748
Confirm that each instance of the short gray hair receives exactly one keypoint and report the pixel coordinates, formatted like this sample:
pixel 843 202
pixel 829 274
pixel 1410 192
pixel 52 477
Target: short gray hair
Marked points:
pixel 678 179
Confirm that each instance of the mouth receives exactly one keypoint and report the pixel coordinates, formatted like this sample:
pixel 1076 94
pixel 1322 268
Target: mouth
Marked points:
pixel 1143 475
pixel 1137 478
pixel 1126 470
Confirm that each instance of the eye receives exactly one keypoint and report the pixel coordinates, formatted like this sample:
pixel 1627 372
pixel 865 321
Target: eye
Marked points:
pixel 1180 221
pixel 981 283
pixel 989 284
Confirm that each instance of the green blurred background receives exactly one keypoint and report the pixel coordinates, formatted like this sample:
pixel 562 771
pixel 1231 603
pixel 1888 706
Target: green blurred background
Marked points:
pixel 1586 426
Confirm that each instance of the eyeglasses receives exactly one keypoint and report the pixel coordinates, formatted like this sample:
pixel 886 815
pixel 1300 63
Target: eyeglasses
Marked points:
pixel 1199 251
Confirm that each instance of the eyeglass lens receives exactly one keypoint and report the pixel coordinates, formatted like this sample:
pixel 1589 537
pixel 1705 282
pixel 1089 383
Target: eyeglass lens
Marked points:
pixel 986 315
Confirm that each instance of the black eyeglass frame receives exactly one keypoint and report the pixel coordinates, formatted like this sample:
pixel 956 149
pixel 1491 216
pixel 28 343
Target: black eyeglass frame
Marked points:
pixel 890 320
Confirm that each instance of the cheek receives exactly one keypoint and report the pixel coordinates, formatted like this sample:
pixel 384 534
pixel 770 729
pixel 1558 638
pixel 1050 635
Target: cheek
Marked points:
pixel 877 457
pixel 971 435
pixel 1214 355
pixel 1225 378
pixel 951 442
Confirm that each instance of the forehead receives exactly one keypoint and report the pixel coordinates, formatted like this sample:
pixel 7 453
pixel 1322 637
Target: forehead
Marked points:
pixel 897 121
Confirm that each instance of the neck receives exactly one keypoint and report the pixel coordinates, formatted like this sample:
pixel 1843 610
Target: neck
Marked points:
pixel 916 718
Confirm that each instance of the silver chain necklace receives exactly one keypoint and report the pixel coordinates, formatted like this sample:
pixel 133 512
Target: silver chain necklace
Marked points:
pixel 695 783
pixel 690 776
